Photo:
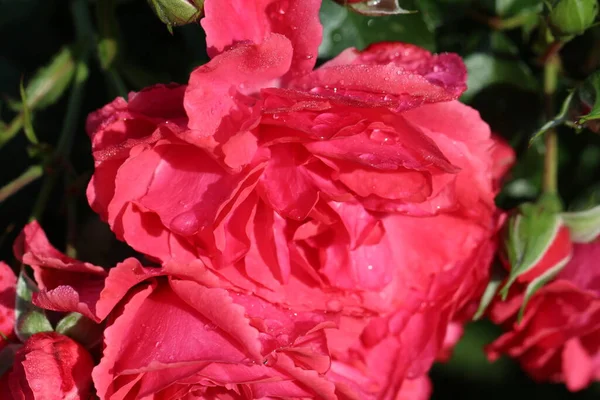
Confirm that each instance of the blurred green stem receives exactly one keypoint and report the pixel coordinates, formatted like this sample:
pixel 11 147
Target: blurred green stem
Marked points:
pixel 61 153
pixel 108 46
pixel 551 70
pixel 30 175
pixel 499 24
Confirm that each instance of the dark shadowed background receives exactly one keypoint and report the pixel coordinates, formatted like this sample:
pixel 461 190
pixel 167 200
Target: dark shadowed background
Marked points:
pixel 504 84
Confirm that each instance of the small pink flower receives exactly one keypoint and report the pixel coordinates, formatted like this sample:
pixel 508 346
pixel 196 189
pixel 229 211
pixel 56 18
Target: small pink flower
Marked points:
pixel 558 338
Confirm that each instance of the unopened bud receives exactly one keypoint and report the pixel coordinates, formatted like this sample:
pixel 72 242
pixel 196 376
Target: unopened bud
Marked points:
pixel 572 17
pixel 177 12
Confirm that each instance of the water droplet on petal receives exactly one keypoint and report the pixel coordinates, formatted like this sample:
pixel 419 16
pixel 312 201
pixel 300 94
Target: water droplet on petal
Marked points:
pixel 380 136
pixel 185 224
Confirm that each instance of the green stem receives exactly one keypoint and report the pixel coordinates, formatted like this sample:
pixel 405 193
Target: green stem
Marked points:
pixel 30 175
pixel 499 24
pixel 550 177
pixel 108 46
pixel 65 142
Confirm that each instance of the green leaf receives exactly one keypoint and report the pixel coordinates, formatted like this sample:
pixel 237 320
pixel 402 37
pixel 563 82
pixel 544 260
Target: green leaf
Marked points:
pixel 343 29
pixel 539 282
pixel 29 319
pixel 485 70
pixel 81 329
pixel 530 234
pixel 558 120
pixel 378 8
pixel 584 226
pixel 50 82
pixel 589 94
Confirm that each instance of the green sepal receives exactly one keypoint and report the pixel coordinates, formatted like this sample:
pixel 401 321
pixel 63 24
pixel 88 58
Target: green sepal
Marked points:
pixel 29 319
pixel 568 18
pixel 80 328
pixel 177 12
pixel 589 94
pixel 539 282
pixel 530 234
pixel 584 226
pixel 497 277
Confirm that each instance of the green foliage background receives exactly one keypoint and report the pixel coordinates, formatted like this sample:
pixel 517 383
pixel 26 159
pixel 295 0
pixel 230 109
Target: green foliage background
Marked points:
pixel 129 48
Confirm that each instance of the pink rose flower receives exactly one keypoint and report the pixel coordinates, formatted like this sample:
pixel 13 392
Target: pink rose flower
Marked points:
pixel 174 331
pixel 49 366
pixel 558 339
pixel 362 188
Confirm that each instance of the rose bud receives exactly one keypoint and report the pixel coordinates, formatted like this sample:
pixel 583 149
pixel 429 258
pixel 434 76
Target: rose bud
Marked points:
pixel 51 366
pixel 572 17
pixel 177 12
pixel 538 245
pixel 558 338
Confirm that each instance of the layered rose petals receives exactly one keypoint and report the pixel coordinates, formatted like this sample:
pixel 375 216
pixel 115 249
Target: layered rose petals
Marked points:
pixel 319 230
pixel 238 21
pixel 50 366
pixel 558 337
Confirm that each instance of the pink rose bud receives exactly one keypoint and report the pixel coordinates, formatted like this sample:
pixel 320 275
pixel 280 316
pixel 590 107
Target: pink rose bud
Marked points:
pixel 538 245
pixel 51 366
pixel 558 338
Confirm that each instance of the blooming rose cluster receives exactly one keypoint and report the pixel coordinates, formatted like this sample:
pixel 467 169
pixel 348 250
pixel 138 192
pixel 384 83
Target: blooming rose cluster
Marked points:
pixel 320 233
pixel 558 337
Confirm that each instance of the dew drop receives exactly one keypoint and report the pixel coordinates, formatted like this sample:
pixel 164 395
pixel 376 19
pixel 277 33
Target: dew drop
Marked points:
pixel 185 224
pixel 380 136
